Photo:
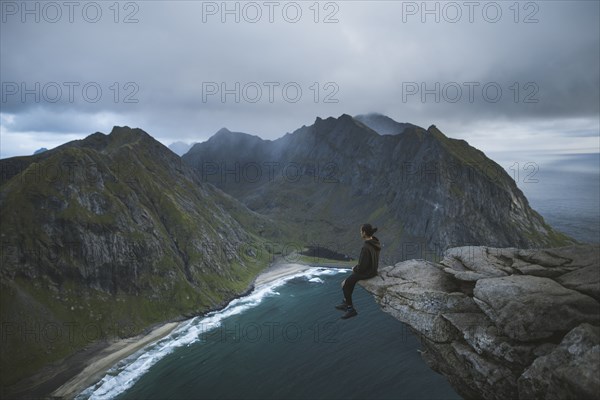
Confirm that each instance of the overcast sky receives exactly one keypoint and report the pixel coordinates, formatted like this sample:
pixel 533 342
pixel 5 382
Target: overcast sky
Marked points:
pixel 508 79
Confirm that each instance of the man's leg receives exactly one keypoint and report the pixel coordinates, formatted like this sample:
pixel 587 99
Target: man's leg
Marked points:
pixel 343 305
pixel 348 288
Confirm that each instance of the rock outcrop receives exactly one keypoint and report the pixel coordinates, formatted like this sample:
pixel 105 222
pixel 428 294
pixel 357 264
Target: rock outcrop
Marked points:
pixel 503 323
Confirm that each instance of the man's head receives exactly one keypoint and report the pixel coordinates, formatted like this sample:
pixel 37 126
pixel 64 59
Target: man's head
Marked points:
pixel 367 231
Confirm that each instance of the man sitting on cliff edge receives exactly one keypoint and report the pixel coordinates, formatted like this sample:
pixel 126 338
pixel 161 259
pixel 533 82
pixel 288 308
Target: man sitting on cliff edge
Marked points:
pixel 368 262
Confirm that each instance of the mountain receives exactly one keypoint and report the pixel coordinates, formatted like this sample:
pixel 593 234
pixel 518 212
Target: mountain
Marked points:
pixel 40 150
pixel 105 236
pixel 383 124
pixel 425 191
pixel 180 148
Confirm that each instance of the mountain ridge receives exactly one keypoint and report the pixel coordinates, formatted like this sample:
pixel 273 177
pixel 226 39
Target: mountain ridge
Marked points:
pixel 432 190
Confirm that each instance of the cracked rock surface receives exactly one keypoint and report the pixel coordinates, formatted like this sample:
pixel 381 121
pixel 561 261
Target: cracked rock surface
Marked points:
pixel 503 323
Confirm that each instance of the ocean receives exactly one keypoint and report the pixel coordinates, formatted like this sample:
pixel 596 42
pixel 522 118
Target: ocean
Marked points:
pixel 284 340
pixel 565 190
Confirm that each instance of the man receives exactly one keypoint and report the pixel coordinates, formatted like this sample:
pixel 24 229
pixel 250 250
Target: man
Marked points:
pixel 368 262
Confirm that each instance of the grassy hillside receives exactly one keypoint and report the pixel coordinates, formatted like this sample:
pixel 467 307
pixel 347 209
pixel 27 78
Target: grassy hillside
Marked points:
pixel 104 237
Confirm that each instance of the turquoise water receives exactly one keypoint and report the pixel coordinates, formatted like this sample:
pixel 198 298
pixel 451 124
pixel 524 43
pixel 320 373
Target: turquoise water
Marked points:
pixel 283 341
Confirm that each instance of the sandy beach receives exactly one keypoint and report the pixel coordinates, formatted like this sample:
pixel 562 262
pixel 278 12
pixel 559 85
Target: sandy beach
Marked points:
pixel 280 269
pixel 98 365
pixel 276 271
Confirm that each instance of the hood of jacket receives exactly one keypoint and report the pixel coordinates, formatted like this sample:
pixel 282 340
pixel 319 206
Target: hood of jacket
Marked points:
pixel 374 242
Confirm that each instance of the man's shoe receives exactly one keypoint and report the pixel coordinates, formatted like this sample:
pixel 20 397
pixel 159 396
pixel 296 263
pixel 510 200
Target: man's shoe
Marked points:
pixel 343 306
pixel 350 312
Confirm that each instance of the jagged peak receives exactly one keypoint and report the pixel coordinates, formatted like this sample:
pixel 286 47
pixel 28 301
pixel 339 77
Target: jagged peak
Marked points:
pixel 224 135
pixel 118 137
pixel 117 129
pixel 344 122
pixel 126 129
pixel 127 133
pixel 320 120
pixel 223 131
pixel 342 118
pixel 433 129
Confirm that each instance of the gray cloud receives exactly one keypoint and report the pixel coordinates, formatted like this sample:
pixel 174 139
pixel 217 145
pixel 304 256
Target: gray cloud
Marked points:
pixel 365 62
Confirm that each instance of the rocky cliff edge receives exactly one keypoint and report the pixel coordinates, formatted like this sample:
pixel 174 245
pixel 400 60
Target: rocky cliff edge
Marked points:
pixel 503 323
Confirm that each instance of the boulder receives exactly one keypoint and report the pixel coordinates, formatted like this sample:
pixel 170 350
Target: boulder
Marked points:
pixel 570 371
pixel 503 323
pixel 530 308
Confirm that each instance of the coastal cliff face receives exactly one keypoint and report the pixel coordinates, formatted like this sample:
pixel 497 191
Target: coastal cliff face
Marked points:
pixel 503 323
pixel 105 236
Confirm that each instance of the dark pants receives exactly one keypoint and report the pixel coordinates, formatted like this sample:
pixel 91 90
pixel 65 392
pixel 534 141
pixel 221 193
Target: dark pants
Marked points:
pixel 348 286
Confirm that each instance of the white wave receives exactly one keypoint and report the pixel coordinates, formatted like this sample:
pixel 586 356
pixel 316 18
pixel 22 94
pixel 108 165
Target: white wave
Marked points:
pixel 128 371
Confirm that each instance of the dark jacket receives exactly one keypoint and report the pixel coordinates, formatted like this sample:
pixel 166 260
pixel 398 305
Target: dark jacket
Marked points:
pixel 368 261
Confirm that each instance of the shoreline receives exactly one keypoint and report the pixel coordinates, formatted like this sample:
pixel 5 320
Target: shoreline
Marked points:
pixel 70 376
pixel 276 271
pixel 87 367
pixel 280 269
pixel 115 352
